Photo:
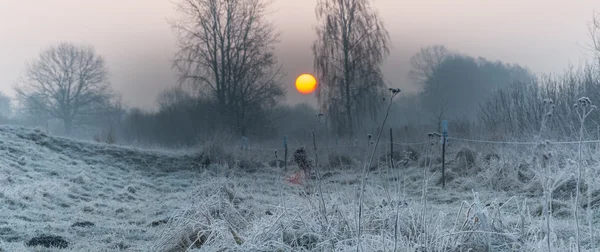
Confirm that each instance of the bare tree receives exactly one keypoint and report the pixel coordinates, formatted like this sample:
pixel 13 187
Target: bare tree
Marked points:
pixel 594 32
pixel 426 62
pixel 67 82
pixel 226 49
pixel 350 47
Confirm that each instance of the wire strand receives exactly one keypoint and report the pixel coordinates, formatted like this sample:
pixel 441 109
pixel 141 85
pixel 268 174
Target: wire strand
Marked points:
pixel 449 138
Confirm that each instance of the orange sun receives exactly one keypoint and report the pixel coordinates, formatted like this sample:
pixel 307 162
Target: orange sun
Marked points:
pixel 306 84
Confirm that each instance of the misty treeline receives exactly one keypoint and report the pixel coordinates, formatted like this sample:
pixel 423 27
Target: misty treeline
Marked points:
pixel 183 119
pixel 453 85
pixel 494 100
pixel 230 85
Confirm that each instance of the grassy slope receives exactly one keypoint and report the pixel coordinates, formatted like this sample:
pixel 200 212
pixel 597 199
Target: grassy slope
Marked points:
pixel 49 183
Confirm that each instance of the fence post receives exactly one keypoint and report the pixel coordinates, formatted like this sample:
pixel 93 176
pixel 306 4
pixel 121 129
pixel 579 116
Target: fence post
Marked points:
pixel 391 149
pixel 598 130
pixel 444 136
pixel 444 163
pixel 316 156
pixel 285 154
pixel 276 160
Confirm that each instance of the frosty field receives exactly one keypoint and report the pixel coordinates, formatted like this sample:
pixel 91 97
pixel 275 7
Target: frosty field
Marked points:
pixel 99 197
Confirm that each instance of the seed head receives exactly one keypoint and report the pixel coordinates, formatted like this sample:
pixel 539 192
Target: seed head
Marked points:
pixel 584 101
pixel 433 134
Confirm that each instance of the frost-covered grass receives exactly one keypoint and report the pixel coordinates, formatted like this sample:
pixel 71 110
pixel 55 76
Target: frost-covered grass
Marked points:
pixel 47 184
pixel 142 200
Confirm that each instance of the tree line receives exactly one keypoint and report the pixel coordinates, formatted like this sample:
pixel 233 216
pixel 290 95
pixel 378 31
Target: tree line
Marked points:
pixel 230 81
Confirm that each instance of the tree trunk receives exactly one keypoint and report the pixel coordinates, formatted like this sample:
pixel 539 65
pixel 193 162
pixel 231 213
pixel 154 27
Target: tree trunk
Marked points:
pixel 68 126
pixel 350 121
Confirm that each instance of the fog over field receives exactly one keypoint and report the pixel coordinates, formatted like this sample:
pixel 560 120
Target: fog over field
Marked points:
pixel 324 125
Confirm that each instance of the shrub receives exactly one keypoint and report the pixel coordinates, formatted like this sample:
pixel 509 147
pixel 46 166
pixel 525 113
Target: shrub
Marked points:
pixel 300 157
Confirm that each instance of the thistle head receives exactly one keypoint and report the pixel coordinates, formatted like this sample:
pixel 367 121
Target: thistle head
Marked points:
pixel 584 101
pixel 394 91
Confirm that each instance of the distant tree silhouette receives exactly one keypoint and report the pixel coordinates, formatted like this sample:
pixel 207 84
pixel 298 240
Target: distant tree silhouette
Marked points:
pixel 594 31
pixel 453 85
pixel 67 82
pixel 426 63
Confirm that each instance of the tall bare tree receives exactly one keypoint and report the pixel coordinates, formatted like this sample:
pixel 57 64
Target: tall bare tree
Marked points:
pixel 594 32
pixel 226 49
pixel 351 45
pixel 67 82
pixel 426 62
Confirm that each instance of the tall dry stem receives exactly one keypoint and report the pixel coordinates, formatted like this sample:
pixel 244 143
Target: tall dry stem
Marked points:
pixel 394 92
pixel 584 108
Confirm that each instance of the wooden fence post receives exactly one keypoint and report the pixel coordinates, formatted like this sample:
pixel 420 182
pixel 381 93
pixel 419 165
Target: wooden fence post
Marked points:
pixel 444 163
pixel 391 149
pixel 285 155
pixel 444 136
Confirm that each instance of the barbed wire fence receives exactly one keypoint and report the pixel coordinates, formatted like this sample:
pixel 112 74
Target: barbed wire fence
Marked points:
pixel 454 139
pixel 398 156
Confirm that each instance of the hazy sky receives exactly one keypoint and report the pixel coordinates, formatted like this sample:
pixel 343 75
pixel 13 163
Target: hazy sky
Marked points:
pixel 135 39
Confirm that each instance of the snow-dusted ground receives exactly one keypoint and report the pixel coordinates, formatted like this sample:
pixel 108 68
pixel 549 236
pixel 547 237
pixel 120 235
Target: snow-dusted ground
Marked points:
pixel 148 200
pixel 47 184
